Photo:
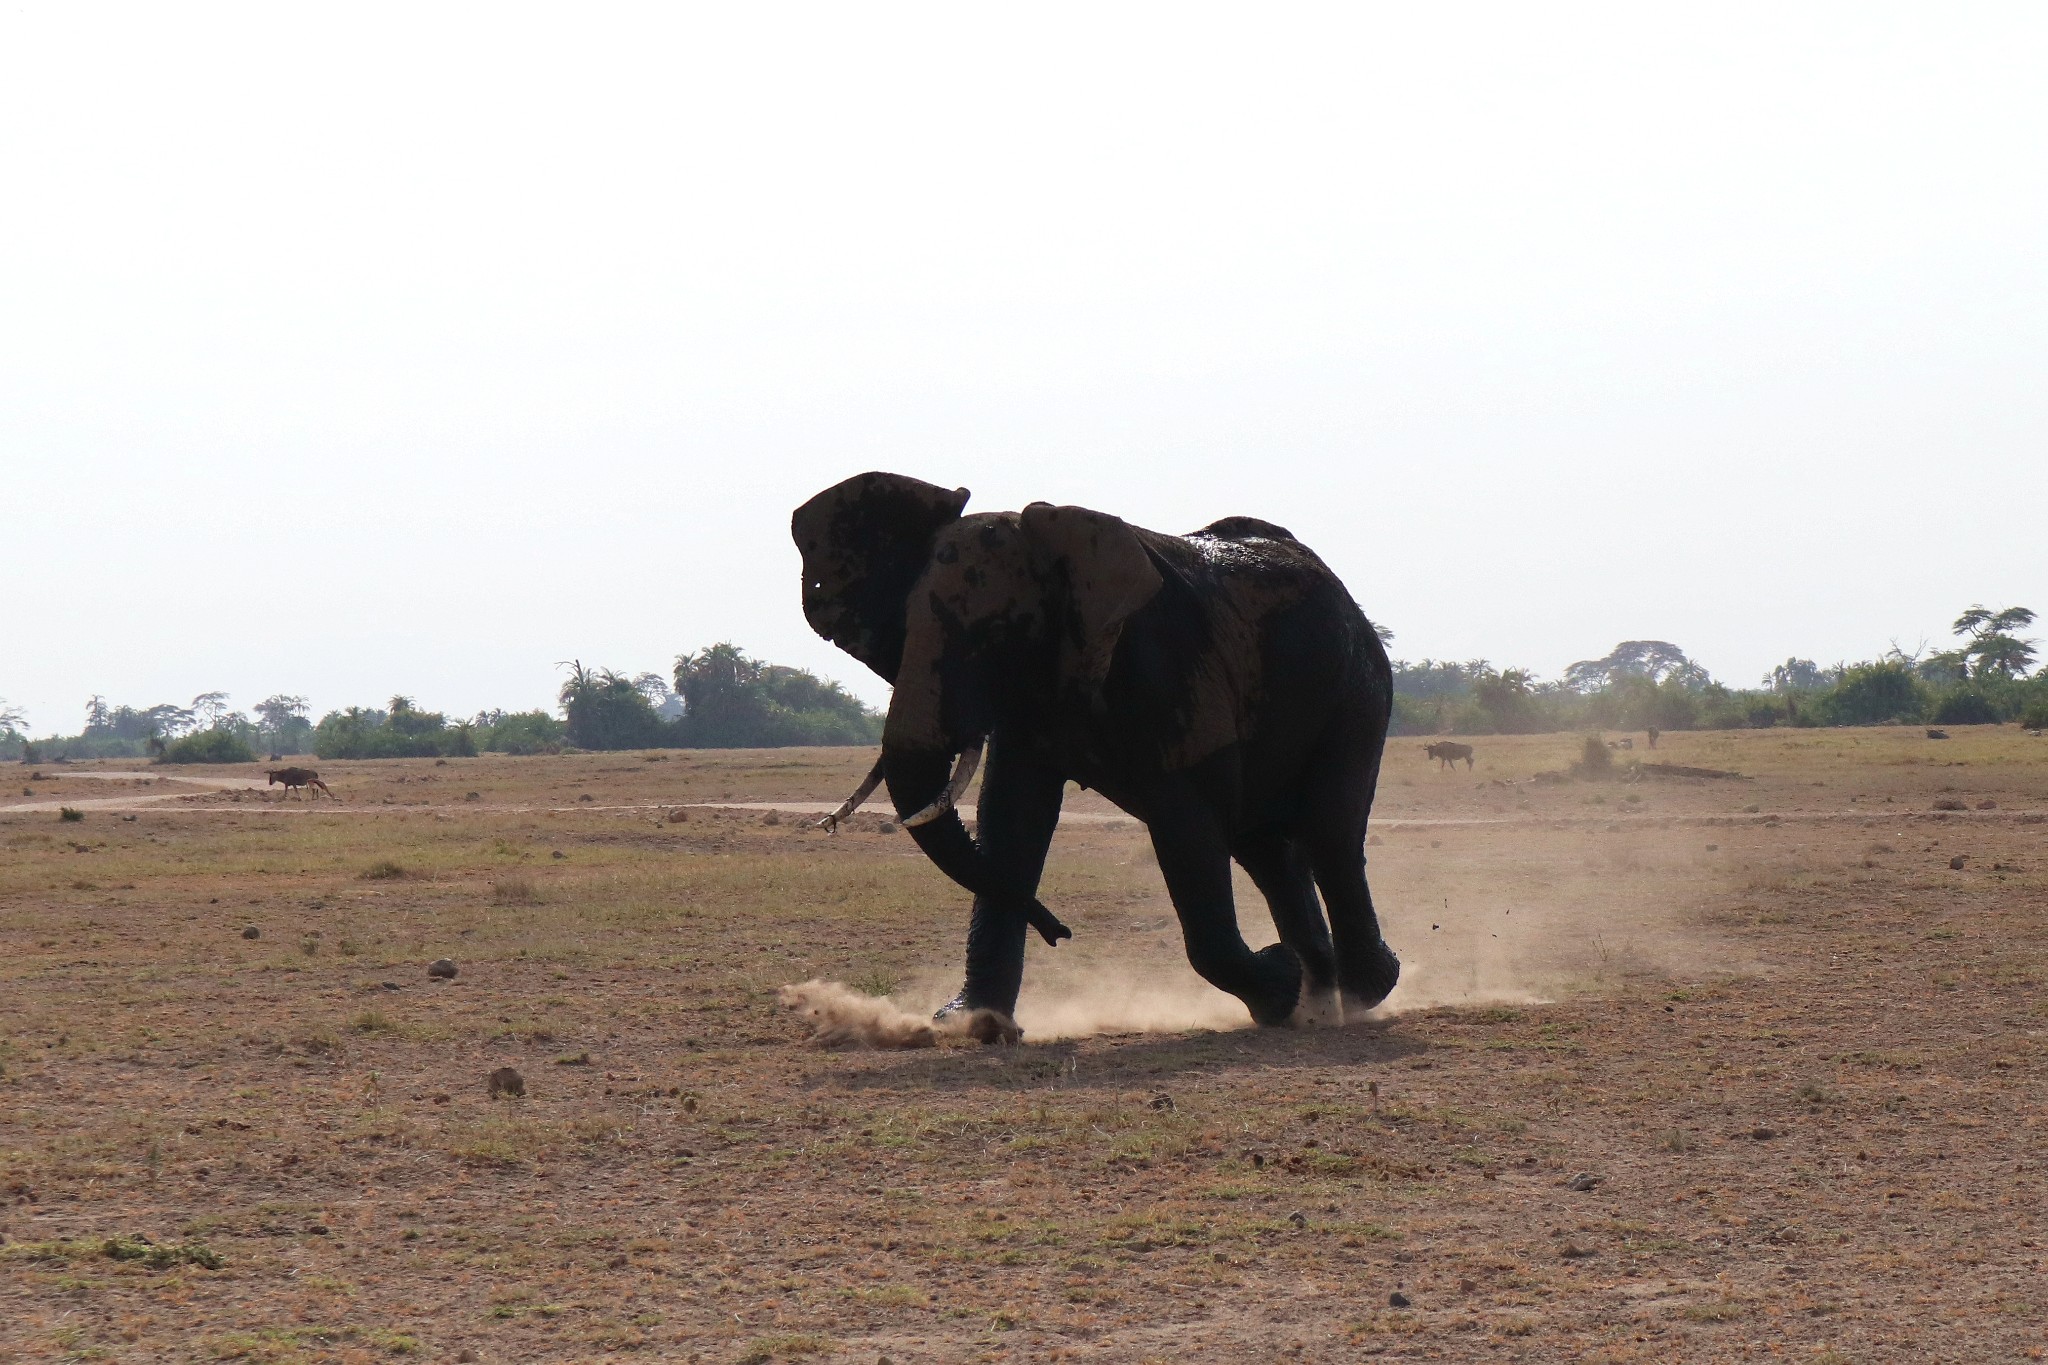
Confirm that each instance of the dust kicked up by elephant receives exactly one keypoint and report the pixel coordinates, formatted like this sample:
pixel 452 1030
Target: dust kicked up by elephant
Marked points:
pixel 1222 687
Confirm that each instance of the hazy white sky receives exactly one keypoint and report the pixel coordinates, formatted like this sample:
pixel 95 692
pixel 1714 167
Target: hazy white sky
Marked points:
pixel 414 348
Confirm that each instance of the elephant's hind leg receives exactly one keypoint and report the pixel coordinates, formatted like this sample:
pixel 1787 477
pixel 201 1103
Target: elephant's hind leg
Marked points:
pixel 1195 861
pixel 1280 870
pixel 1366 968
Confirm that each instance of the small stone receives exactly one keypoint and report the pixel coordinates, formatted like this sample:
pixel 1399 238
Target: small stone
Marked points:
pixel 1987 805
pixel 678 816
pixel 1299 1219
pixel 1956 862
pixel 1582 1182
pixel 1713 848
pixel 1751 809
pixel 558 854
pixel 1163 1103
pixel 1467 1286
pixel 1763 1134
pixel 252 932
pixel 441 969
pixel 1397 1300
pixel 505 1081
pixel 391 985
pixel 886 827
pixel 1949 803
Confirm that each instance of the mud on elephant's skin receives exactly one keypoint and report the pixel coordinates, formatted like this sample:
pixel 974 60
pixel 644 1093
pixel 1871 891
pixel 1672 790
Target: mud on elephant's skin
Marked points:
pixel 1223 687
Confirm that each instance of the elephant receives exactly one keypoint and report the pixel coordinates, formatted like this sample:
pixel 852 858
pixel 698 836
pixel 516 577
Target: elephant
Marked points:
pixel 1222 687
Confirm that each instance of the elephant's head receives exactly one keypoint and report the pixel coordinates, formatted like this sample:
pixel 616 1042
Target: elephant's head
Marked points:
pixel 864 542
pixel 970 618
pixel 1015 611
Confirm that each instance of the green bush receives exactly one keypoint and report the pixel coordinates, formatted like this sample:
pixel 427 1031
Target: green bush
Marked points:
pixel 1415 716
pixel 521 732
pixel 1965 706
pixel 1869 694
pixel 402 731
pixel 2035 717
pixel 209 746
pixel 605 710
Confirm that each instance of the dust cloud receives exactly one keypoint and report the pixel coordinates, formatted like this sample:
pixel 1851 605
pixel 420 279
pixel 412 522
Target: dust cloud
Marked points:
pixel 1510 914
pixel 841 1017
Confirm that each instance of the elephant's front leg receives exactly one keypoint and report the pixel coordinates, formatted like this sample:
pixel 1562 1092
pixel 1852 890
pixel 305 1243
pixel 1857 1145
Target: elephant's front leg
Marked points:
pixel 1015 819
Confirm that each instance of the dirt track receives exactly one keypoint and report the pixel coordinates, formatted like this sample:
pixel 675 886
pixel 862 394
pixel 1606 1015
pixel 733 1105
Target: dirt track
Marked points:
pixel 1800 1058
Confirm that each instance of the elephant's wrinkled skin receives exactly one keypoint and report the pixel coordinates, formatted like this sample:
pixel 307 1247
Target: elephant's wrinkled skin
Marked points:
pixel 1222 687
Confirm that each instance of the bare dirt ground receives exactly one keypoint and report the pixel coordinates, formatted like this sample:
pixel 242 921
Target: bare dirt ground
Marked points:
pixel 1680 1069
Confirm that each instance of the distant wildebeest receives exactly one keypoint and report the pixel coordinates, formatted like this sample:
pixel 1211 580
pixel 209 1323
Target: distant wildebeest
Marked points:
pixel 294 778
pixel 1448 753
pixel 1937 734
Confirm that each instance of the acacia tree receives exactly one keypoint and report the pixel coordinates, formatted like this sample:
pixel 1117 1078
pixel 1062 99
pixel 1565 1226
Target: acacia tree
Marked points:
pixel 209 709
pixel 1989 639
pixel 1658 660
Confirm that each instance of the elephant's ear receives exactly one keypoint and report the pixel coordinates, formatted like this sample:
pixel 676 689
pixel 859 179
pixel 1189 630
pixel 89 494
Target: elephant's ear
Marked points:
pixel 864 542
pixel 1102 574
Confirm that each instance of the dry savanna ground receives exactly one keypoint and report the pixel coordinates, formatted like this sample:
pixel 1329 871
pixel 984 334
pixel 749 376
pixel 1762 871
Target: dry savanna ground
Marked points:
pixel 1680 1069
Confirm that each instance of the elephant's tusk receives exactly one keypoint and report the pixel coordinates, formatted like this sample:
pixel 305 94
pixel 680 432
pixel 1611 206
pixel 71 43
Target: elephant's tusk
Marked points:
pixel 963 773
pixel 830 824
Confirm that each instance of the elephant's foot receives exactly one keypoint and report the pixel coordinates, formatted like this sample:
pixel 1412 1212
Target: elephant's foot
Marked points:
pixel 984 1025
pixel 1276 987
pixel 1364 992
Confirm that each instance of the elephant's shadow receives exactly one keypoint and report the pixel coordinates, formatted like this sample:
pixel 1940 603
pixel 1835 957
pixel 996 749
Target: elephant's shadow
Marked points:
pixel 1137 1060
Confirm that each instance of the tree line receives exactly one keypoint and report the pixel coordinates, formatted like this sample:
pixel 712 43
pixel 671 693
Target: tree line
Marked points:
pixel 1987 676
pixel 720 698
pixel 716 698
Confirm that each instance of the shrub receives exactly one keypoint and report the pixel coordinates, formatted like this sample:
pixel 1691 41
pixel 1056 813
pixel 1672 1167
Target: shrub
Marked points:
pixel 401 731
pixel 1870 694
pixel 208 746
pixel 521 732
pixel 1965 706
pixel 2035 717
pixel 1415 716
pixel 68 814
pixel 606 710
pixel 1595 760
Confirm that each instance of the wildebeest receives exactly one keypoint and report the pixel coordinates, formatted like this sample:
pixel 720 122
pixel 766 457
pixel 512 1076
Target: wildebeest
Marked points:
pixel 1448 753
pixel 294 778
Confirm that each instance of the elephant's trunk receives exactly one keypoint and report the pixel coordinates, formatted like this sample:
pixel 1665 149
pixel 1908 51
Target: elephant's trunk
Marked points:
pixel 921 786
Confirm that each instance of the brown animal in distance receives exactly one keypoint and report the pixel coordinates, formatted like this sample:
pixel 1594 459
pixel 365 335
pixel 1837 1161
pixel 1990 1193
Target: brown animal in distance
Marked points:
pixel 294 778
pixel 1448 753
